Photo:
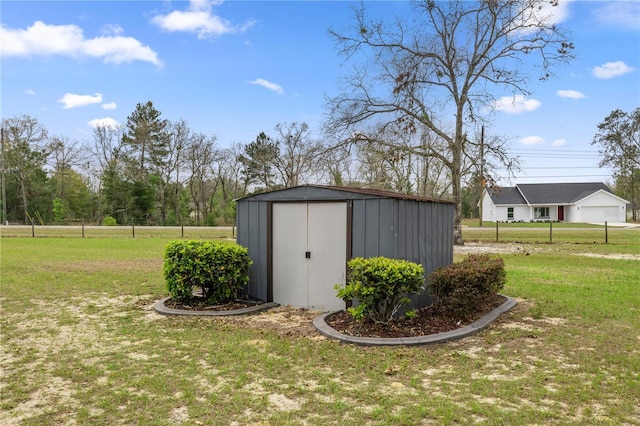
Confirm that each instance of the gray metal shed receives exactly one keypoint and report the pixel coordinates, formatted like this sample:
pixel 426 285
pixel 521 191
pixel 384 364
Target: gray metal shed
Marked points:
pixel 301 238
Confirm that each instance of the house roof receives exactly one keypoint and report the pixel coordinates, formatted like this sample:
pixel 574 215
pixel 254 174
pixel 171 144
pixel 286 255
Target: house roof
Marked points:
pixel 546 193
pixel 507 195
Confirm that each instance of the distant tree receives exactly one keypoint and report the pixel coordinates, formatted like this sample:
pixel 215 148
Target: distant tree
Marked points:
pixel 444 60
pixel 146 139
pixel 179 136
pixel 79 199
pixel 147 143
pixel 258 162
pixel 108 151
pixel 200 155
pixel 65 154
pixel 26 152
pixel 618 139
pixel 297 153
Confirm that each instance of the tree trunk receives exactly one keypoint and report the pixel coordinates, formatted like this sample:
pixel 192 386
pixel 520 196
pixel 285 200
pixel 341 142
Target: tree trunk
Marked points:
pixel 25 202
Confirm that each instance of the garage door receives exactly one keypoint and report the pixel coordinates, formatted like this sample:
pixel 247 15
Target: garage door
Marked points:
pixel 309 254
pixel 602 214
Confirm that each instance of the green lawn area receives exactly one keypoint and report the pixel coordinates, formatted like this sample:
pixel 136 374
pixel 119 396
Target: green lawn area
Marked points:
pixel 80 344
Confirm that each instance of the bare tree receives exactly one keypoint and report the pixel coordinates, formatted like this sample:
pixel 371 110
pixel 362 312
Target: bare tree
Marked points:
pixel 444 61
pixel 107 145
pixel 27 150
pixel 179 137
pixel 337 163
pixel 199 156
pixel 65 155
pixel 297 153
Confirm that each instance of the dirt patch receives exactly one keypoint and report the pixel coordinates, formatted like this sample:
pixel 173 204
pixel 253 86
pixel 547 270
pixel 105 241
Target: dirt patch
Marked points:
pixel 610 256
pixel 285 321
pixel 93 266
pixel 497 248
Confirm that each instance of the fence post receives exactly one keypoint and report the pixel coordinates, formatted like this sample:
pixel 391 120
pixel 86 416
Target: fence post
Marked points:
pixel 83 227
pixel 606 233
pixel 550 232
pixel 33 229
pixel 497 231
pixel 181 231
pixel 133 230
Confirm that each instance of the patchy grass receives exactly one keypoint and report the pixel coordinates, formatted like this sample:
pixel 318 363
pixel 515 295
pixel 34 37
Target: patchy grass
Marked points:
pixel 544 234
pixel 76 231
pixel 81 345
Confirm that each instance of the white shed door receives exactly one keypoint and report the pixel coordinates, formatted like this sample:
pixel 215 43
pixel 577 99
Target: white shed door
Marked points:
pixel 309 254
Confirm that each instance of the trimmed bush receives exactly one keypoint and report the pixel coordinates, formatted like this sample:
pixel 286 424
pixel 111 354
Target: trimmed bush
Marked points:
pixel 109 221
pixel 461 287
pixel 219 269
pixel 381 286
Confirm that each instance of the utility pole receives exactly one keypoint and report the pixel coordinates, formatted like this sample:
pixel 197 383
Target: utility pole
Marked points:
pixel 481 172
pixel 4 189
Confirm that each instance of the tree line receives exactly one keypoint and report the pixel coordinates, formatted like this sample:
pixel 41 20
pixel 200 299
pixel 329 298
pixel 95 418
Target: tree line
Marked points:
pixel 153 171
pixel 410 117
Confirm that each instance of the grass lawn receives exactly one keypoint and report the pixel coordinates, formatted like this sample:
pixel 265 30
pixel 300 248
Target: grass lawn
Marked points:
pixel 80 344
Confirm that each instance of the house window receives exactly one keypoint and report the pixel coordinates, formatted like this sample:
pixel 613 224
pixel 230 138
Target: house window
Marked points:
pixel 509 213
pixel 541 213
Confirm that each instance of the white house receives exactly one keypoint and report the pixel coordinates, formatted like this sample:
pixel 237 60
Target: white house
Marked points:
pixel 564 202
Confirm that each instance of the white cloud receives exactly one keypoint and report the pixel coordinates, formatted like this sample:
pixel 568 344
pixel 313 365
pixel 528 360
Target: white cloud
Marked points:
pixel 269 85
pixel 199 19
pixel 69 100
pixel 611 69
pixel 112 30
pixel 516 104
pixel 42 39
pixel 618 14
pixel 532 140
pixel 571 94
pixel 110 105
pixel 559 142
pixel 30 92
pixel 107 122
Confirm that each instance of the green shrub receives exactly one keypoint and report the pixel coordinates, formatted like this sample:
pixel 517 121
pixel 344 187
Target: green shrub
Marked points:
pixel 109 221
pixel 461 287
pixel 381 286
pixel 219 269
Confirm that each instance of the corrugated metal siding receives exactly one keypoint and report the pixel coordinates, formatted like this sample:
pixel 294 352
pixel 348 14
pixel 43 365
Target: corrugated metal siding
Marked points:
pixel 252 234
pixel 400 228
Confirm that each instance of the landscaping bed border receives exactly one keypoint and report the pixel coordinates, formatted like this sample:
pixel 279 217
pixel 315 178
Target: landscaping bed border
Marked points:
pixel 468 330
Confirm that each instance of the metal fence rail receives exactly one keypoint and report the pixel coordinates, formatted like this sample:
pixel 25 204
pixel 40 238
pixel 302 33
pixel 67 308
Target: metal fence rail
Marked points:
pixel 90 231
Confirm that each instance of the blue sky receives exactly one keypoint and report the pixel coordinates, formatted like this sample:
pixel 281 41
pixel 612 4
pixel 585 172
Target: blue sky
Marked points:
pixel 234 69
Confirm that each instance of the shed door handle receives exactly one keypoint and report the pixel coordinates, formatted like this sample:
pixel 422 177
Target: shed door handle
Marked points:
pixel 307 254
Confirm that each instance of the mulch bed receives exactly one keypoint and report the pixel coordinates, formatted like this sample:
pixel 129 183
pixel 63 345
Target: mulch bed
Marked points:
pixel 201 304
pixel 429 320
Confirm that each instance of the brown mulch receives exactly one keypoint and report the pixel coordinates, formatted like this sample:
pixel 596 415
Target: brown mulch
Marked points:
pixel 429 320
pixel 201 304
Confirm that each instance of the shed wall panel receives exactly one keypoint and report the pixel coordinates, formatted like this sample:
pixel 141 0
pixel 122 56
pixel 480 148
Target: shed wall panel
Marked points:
pixel 252 234
pixel 358 229
pixel 387 228
pixel 400 228
pixel 372 228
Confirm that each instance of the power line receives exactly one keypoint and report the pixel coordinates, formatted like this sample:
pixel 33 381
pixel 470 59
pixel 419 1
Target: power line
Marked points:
pixel 550 176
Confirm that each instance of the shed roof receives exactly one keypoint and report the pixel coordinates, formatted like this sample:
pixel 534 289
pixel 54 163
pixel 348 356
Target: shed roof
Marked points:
pixel 315 192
